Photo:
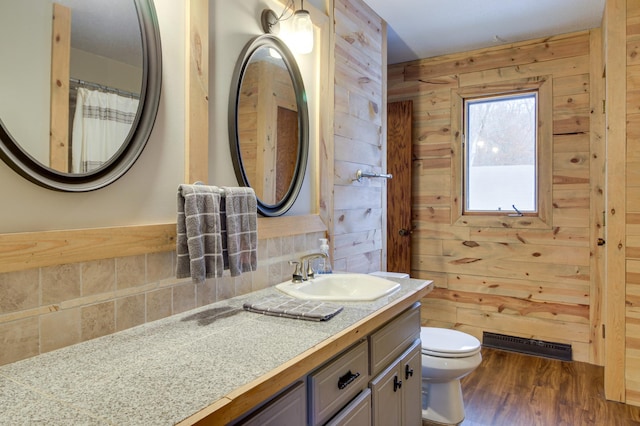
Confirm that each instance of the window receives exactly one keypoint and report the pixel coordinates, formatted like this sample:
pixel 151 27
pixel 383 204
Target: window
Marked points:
pixel 501 147
pixel 500 155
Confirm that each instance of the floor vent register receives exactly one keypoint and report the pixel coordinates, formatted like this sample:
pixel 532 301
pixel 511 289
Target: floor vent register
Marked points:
pixel 523 345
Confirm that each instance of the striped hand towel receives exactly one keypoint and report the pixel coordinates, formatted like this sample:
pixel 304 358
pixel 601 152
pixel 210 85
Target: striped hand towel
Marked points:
pixel 288 307
pixel 241 229
pixel 199 238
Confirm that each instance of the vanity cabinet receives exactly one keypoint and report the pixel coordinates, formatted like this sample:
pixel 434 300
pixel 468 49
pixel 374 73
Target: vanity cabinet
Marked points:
pixel 376 381
pixel 396 391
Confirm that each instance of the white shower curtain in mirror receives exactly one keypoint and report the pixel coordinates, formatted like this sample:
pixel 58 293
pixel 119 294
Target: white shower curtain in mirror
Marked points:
pixel 101 123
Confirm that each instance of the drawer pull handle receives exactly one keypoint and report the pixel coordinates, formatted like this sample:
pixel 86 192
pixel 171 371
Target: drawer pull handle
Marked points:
pixel 344 381
pixel 397 384
pixel 408 372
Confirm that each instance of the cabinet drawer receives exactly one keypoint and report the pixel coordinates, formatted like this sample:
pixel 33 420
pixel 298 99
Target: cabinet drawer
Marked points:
pixel 393 338
pixel 357 413
pixel 335 384
pixel 289 408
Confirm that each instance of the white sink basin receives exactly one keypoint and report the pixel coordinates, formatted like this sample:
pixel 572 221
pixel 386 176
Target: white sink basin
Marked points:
pixel 343 287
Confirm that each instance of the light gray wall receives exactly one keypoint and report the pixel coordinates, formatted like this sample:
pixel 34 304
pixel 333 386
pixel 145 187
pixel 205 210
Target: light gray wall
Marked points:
pixel 147 193
pixel 25 93
pixel 233 25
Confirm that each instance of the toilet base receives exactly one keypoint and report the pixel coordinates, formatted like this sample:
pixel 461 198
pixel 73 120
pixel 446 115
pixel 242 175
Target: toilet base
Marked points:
pixel 442 402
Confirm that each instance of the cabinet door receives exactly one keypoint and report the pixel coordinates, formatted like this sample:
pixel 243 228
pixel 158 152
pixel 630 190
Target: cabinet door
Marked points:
pixel 411 369
pixel 386 396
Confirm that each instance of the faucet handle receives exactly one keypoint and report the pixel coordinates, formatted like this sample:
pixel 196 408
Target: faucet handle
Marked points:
pixel 297 273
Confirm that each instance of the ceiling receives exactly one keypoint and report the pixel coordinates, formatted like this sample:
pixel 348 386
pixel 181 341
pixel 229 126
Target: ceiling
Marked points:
pixel 424 28
pixel 106 28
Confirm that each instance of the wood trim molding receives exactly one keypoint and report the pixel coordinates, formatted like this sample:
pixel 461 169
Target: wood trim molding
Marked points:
pixel 286 226
pixel 197 93
pixel 28 250
pixel 615 39
pixel 60 69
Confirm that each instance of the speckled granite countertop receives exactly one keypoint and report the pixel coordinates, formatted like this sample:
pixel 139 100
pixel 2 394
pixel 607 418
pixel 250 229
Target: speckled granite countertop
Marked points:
pixel 184 367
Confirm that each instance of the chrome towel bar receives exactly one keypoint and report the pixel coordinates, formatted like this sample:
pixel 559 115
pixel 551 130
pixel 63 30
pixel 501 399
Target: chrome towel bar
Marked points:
pixel 360 174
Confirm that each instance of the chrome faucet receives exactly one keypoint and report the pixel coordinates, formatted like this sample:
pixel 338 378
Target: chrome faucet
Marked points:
pixel 304 271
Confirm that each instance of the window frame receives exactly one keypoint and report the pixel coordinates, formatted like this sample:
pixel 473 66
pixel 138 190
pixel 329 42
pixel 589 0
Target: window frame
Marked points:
pixel 542 218
pixel 465 157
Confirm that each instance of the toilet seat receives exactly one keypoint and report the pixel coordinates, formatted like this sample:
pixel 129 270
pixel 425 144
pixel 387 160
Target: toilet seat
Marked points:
pixel 447 343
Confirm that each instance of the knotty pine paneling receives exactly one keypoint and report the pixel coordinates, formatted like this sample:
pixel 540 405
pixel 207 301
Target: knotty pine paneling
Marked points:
pixel 525 282
pixel 357 230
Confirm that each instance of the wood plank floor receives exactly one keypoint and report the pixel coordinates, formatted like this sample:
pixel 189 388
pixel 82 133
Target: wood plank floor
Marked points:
pixel 511 389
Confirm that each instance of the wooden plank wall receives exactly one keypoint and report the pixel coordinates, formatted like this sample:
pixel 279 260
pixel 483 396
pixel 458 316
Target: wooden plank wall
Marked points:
pixel 358 227
pixel 265 87
pixel 534 283
pixel 632 299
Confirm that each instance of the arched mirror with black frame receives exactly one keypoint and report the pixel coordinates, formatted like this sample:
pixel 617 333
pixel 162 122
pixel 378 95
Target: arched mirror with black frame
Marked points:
pixel 269 124
pixel 80 89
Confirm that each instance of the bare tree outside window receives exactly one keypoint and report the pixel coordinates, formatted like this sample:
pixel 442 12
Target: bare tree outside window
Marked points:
pixel 500 153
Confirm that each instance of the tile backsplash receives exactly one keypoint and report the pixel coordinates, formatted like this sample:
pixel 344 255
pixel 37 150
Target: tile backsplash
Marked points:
pixel 52 307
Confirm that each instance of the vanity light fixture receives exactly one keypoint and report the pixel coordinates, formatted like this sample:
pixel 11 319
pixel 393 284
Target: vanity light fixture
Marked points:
pixel 301 37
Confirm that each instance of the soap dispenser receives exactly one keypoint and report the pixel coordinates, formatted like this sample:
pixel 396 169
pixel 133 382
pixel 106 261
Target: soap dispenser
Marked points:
pixel 323 265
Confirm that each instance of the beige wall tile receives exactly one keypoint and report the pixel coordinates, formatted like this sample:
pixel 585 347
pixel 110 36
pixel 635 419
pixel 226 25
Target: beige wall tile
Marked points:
pixel 159 266
pixel 97 320
pixel 25 290
pixel 274 247
pixel 159 303
pixel 184 297
pixel 60 283
pixel 130 271
pixel 19 340
pixel 300 243
pixel 206 292
pixel 59 329
pixel 288 248
pixel 130 311
pixel 226 288
pixel 98 277
pixel 260 278
pixel 263 254
pixel 275 272
pixel 244 283
pixel 19 290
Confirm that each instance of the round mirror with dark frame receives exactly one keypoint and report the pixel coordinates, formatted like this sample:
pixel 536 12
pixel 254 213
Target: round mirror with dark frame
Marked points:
pixel 269 124
pixel 89 74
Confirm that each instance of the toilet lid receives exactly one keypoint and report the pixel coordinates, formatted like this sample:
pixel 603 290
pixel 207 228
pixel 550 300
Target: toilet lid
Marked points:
pixel 448 343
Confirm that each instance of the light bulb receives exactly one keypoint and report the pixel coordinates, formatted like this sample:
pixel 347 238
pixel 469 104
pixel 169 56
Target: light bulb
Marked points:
pixel 302 28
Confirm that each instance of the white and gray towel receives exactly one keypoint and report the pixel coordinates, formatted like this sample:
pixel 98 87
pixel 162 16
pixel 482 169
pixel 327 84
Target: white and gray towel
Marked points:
pixel 288 307
pixel 216 230
pixel 199 233
pixel 241 230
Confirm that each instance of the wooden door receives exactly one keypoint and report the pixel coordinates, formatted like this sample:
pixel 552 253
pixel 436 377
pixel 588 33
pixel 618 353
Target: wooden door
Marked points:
pixel 399 139
pixel 286 151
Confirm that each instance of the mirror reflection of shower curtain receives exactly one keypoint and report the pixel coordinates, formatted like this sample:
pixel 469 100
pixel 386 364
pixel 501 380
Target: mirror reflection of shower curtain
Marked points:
pixel 101 124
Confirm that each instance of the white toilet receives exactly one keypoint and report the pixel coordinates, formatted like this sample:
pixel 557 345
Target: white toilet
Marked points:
pixel 447 356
